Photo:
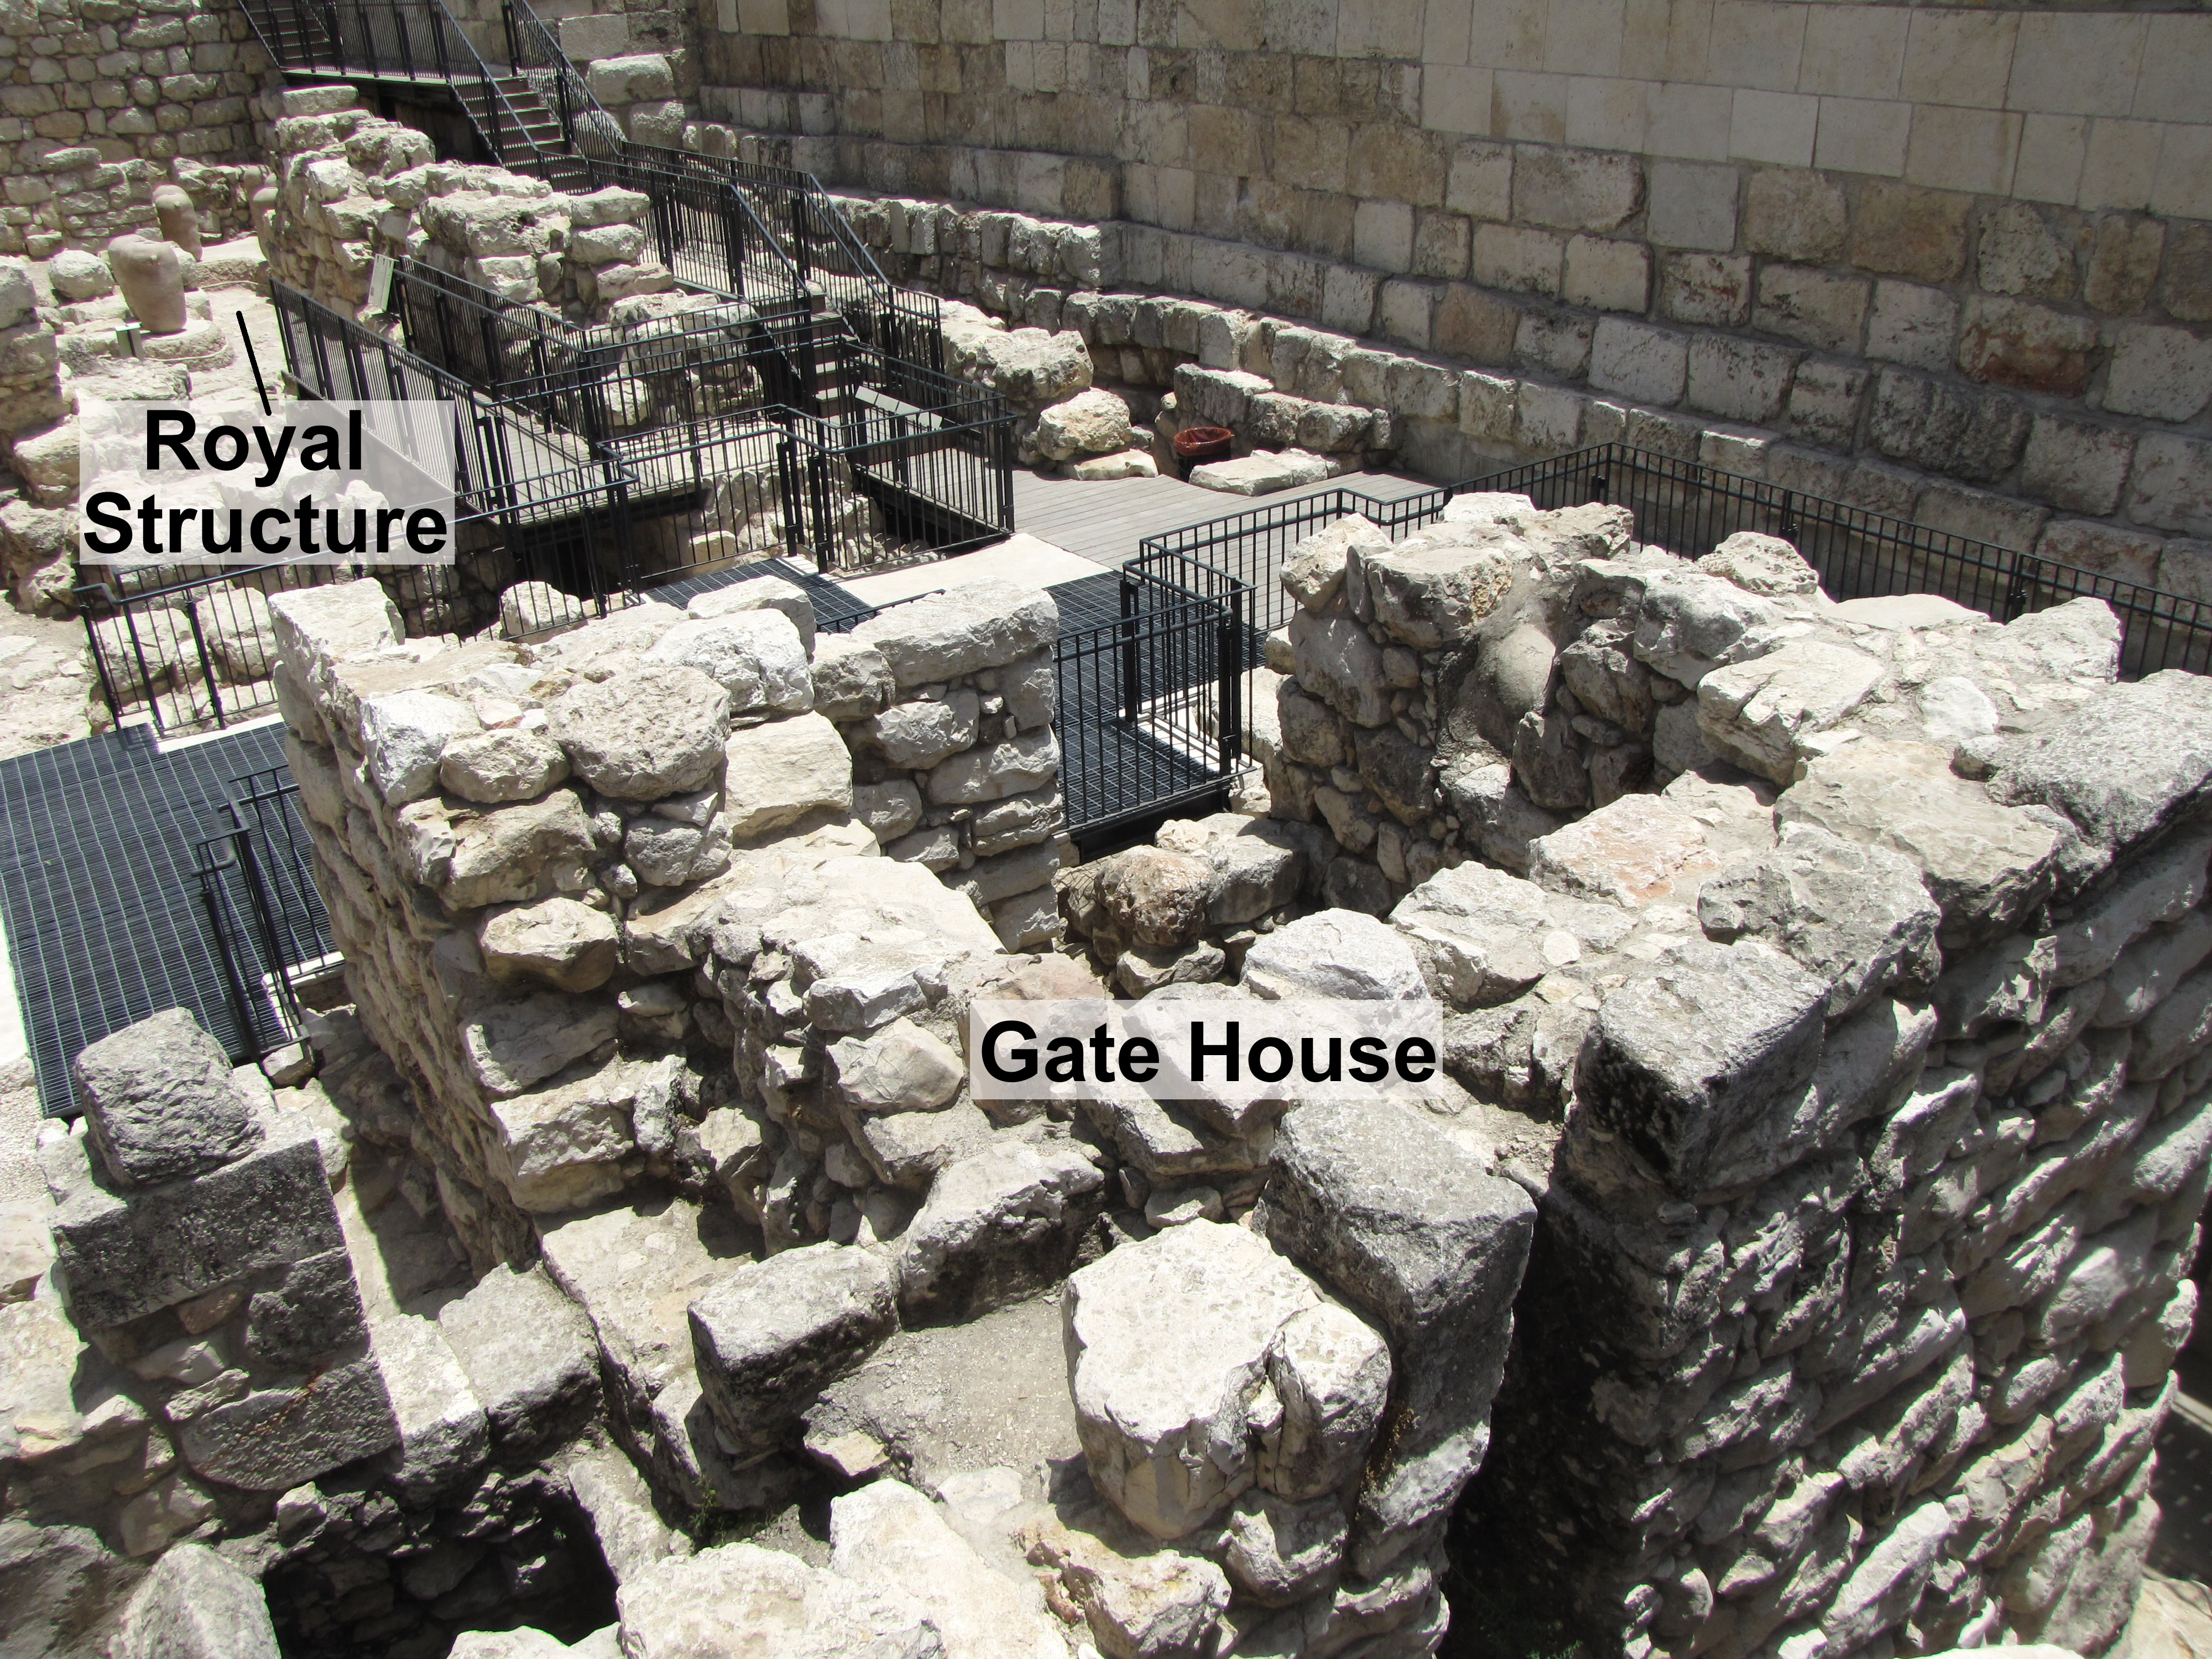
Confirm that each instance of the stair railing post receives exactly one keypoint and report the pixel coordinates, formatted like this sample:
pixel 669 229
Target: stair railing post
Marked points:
pixel 1229 715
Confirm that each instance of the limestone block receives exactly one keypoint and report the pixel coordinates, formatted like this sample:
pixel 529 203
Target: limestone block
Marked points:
pixel 992 773
pixel 311 1314
pixel 318 628
pixel 996 1226
pixel 1429 593
pixel 1761 714
pixel 2128 762
pixel 1811 307
pixel 1334 953
pixel 1031 367
pixel 1313 575
pixel 851 678
pixel 756 593
pixel 1336 661
pixel 1914 325
pixel 1855 916
pixel 1504 822
pixel 195 1605
pixel 1163 1423
pixel 79 276
pixel 1984 863
pixel 771 1334
pixel 756 656
pixel 159 1101
pixel 942 636
pixel 2169 490
pixel 1092 423
pixel 918 734
pixel 1331 1371
pixel 508 1046
pixel 2168 882
pixel 1681 1060
pixel 2178 1029
pixel 1481 936
pixel 1575 190
pixel 529 1356
pixel 888 1537
pixel 908 1149
pixel 1694 622
pixel 273 1439
pixel 1161 1602
pixel 1263 471
pixel 405 734
pixel 888 809
pixel 662 853
pixel 900 1068
pixel 603 244
pixel 1760 564
pixel 1280 1553
pixel 780 773
pixel 483 225
pixel 444 1434
pixel 1939 427
pixel 167 1243
pixel 1631 852
pixel 1647 364
pixel 653 730
pixel 506 765
pixel 2149 970
pixel 739 1599
pixel 563 1146
pixel 472 858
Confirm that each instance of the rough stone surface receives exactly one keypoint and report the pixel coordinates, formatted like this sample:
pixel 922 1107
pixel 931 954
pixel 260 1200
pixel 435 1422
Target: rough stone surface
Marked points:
pixel 1162 1422
pixel 771 1333
pixel 160 1099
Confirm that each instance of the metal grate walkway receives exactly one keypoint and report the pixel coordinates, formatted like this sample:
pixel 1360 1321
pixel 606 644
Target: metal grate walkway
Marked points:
pixel 104 921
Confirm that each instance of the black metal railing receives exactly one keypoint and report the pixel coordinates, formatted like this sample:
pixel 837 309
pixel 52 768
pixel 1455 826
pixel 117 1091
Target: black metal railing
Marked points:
pixel 608 379
pixel 884 455
pixel 404 40
pixel 747 229
pixel 270 934
pixel 1151 717
pixel 1687 508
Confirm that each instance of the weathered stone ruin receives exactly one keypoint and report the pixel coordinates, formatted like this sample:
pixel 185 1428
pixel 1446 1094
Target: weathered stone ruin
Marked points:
pixel 1791 1258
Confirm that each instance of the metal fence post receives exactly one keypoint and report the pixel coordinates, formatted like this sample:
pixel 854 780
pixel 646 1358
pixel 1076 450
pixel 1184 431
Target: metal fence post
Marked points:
pixel 1230 629
pixel 1132 699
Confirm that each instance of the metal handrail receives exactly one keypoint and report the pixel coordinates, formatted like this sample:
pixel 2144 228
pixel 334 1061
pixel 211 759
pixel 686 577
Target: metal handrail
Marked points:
pixel 403 40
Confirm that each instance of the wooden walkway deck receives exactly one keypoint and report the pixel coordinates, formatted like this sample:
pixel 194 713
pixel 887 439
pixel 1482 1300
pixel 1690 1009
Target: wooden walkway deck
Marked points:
pixel 1104 521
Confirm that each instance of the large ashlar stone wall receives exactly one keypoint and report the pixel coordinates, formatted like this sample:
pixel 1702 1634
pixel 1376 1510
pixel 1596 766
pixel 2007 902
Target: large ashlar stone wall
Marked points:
pixel 1879 1042
pixel 1946 266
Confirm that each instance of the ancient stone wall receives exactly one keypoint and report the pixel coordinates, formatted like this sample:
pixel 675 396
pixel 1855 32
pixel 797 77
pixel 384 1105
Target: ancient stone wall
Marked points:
pixel 348 184
pixel 1860 1321
pixel 1916 263
pixel 102 103
pixel 1878 1037
pixel 202 1295
pixel 947 704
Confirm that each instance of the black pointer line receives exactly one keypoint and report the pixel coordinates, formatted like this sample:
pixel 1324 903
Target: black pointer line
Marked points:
pixel 258 382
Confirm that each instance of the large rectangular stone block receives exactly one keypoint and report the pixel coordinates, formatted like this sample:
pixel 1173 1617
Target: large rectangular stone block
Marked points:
pixel 1687 1060
pixel 125 1259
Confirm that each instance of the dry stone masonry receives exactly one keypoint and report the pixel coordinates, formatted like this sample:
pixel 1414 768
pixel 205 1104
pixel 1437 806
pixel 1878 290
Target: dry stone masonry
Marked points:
pixel 348 185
